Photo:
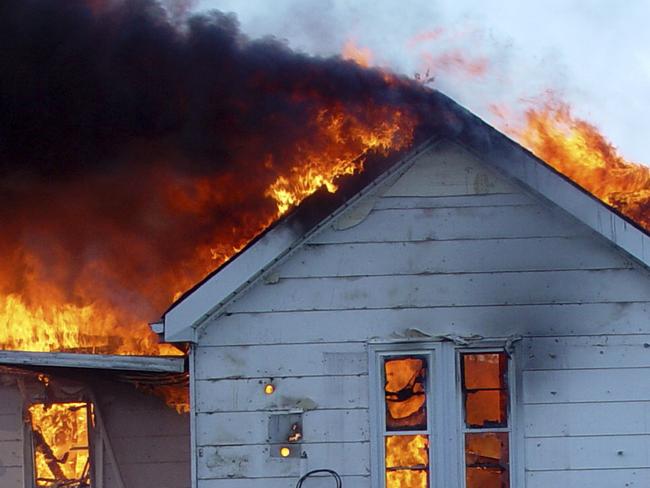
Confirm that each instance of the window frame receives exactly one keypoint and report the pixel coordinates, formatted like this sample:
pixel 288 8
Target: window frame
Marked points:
pixel 445 409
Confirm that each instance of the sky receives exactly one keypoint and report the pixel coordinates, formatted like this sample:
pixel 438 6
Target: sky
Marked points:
pixel 593 54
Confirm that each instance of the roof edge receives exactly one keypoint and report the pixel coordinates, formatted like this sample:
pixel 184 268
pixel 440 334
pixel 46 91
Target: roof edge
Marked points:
pixel 153 364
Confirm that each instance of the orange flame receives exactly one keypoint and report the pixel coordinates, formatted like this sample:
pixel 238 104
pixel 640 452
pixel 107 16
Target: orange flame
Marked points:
pixel 579 150
pixel 360 55
pixel 61 443
pixel 407 461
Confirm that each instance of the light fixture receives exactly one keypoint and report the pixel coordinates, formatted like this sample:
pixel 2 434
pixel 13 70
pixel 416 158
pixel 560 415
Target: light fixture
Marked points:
pixel 285 451
pixel 269 388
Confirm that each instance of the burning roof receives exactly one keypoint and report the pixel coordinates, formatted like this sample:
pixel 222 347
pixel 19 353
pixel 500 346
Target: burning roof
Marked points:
pixel 140 154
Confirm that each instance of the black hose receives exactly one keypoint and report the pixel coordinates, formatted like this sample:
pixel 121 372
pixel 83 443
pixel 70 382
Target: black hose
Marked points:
pixel 331 472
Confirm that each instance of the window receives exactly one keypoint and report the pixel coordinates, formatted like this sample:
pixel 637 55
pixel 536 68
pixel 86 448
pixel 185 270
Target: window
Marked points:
pixel 60 443
pixel 441 417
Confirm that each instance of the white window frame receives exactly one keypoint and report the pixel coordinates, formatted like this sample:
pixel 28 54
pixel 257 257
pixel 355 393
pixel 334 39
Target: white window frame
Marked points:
pixel 445 419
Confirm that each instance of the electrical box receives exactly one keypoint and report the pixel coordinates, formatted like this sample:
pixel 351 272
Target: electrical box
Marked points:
pixel 285 434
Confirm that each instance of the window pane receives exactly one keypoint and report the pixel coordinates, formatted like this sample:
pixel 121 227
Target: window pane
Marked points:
pixel 403 451
pixel 407 461
pixel 61 452
pixel 485 389
pixel 405 393
pixel 485 371
pixel 486 408
pixel 486 460
pixel 407 478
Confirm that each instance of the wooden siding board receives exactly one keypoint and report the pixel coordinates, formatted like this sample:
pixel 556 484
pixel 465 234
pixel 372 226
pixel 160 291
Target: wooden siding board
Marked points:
pixel 403 225
pixel 609 452
pixel 447 290
pixel 602 351
pixel 447 169
pixel 587 385
pixel 490 321
pixel 281 360
pixel 235 428
pixel 314 482
pixel 494 200
pixel 351 458
pixel 581 419
pixel 602 478
pixel 11 427
pixel 11 477
pixel 464 256
pixel 297 392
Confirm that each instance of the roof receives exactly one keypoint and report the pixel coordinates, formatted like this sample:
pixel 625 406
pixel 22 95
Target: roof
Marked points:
pixel 148 364
pixel 209 297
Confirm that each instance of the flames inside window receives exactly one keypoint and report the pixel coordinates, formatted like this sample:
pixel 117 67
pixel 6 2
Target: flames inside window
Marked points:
pixel 60 433
pixel 406 438
pixel 485 396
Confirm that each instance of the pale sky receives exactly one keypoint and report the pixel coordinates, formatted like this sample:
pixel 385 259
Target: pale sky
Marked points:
pixel 594 53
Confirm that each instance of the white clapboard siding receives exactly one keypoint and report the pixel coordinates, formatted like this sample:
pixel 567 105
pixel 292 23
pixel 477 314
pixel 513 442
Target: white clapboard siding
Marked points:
pixel 581 419
pixel 281 360
pixel 233 428
pixel 586 385
pixel 12 402
pixel 11 427
pixel 469 289
pixel 165 475
pixel 601 478
pixel 11 454
pixel 308 393
pixel 404 225
pixel 625 451
pixel 493 200
pixel 255 461
pixel 12 477
pixel 603 351
pixel 312 482
pixel 464 256
pixel 447 170
pixel 489 321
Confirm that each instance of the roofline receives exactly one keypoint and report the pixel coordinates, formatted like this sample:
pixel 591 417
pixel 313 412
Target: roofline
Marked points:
pixel 491 146
pixel 151 364
pixel 518 163
pixel 273 245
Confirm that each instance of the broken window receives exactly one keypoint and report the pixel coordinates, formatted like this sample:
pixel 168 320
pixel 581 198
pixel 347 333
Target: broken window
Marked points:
pixel 406 432
pixel 486 430
pixel 60 436
pixel 441 396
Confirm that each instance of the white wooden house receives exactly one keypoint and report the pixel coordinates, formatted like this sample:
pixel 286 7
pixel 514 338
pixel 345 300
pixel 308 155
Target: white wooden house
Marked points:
pixel 470 318
pixel 77 421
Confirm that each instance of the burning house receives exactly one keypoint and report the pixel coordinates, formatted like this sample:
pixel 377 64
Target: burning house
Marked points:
pixel 452 313
pixel 459 315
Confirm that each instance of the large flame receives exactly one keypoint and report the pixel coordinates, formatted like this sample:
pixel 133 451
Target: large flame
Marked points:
pixel 61 444
pixel 579 150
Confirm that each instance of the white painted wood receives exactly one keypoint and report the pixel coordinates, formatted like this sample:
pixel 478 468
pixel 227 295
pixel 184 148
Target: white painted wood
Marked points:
pixel 94 361
pixel 235 428
pixel 469 289
pixel 306 393
pixel 490 321
pixel 603 351
pixel 602 478
pixel 582 419
pixel 404 225
pixel 587 385
pixel 281 360
pixel 494 200
pixel 448 170
pixel 610 452
pixel 11 454
pixel 463 256
pixel 11 477
pixel 313 482
pixel 255 461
